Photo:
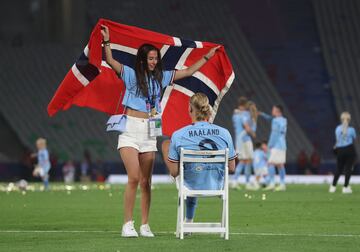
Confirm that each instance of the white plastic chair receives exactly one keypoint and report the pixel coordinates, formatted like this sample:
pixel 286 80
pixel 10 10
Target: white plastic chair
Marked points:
pixel 190 156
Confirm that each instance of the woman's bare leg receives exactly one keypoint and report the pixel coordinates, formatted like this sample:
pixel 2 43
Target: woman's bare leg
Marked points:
pixel 146 165
pixel 130 157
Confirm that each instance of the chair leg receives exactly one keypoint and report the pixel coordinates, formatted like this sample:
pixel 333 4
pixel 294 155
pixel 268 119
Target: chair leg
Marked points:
pixel 227 218
pixel 222 235
pixel 181 217
pixel 178 219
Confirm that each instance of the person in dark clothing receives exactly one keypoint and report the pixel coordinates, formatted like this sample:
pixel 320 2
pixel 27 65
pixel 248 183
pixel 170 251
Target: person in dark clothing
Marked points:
pixel 345 152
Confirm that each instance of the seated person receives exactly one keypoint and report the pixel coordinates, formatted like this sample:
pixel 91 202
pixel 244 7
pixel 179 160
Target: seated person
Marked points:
pixel 200 135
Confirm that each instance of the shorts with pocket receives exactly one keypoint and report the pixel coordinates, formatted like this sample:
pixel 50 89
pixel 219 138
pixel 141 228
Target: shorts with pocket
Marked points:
pixel 137 135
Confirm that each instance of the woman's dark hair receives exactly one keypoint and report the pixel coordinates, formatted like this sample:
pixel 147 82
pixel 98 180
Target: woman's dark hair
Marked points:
pixel 142 70
pixel 279 107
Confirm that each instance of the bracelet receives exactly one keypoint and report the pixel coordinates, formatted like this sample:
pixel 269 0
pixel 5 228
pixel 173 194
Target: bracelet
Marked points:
pixel 206 58
pixel 107 42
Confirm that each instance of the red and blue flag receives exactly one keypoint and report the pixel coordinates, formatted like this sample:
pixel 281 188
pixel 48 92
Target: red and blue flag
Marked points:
pixel 92 83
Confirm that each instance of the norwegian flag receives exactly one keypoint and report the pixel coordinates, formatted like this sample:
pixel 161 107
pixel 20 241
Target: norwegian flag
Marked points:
pixel 92 83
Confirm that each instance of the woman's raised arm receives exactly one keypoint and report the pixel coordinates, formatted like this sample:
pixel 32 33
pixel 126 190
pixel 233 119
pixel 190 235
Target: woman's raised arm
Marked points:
pixel 196 66
pixel 115 65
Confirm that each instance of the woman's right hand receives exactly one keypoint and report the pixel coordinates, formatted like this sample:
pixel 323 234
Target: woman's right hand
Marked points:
pixel 105 32
pixel 115 65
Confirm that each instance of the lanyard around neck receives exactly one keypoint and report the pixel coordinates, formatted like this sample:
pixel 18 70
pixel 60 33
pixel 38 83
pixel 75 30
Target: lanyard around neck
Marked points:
pixel 152 89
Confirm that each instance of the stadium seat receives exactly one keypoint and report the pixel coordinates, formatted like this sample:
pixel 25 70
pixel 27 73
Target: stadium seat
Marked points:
pixel 190 156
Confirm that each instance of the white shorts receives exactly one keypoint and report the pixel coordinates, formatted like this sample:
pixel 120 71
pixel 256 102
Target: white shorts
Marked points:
pixel 277 156
pixel 137 135
pixel 262 171
pixel 244 150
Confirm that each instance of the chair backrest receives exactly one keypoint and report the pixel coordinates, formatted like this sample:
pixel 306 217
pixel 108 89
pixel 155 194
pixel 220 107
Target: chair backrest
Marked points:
pixel 204 156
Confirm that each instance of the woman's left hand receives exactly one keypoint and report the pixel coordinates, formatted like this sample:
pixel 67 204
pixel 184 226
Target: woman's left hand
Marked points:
pixel 212 52
pixel 196 66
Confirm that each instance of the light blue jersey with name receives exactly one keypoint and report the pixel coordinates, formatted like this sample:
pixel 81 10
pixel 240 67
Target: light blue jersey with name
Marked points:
pixel 201 136
pixel 343 140
pixel 137 101
pixel 44 160
pixel 277 139
pixel 240 118
pixel 259 159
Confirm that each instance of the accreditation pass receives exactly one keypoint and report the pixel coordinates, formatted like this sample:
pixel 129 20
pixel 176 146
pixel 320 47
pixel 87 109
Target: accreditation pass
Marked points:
pixel 155 127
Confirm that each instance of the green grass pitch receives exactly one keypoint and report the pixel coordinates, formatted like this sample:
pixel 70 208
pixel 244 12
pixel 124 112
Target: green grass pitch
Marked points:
pixel 304 218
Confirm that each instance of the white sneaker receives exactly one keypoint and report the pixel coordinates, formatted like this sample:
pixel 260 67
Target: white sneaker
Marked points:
pixel 346 190
pixel 233 184
pixel 280 188
pixel 145 231
pixel 188 221
pixel 128 230
pixel 256 186
pixel 332 189
pixel 270 187
pixel 251 187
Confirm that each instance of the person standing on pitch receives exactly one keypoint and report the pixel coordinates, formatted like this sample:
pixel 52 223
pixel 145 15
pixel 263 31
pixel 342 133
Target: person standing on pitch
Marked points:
pixel 243 125
pixel 43 165
pixel 277 147
pixel 260 163
pixel 345 152
pixel 142 101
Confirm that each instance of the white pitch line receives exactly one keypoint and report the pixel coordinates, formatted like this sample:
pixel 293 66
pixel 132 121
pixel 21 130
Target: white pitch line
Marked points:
pixel 58 231
pixel 284 234
pixel 169 232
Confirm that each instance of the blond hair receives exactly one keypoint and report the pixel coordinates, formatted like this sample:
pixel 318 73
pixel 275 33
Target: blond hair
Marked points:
pixel 345 119
pixel 199 102
pixel 41 142
pixel 253 110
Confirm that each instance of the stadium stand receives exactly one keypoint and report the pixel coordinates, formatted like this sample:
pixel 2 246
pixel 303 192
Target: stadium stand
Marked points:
pixel 251 78
pixel 286 41
pixel 339 25
pixel 43 67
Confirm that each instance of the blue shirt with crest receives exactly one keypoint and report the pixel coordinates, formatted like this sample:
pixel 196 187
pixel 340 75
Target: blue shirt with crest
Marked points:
pixel 136 100
pixel 277 139
pixel 201 136
pixel 44 160
pixel 259 159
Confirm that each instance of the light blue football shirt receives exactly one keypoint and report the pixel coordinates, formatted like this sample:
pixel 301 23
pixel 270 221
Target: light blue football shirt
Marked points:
pixel 259 159
pixel 277 139
pixel 240 118
pixel 43 159
pixel 201 136
pixel 343 140
pixel 138 101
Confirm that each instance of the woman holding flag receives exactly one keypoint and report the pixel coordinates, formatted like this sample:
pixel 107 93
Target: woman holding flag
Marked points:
pixel 137 145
